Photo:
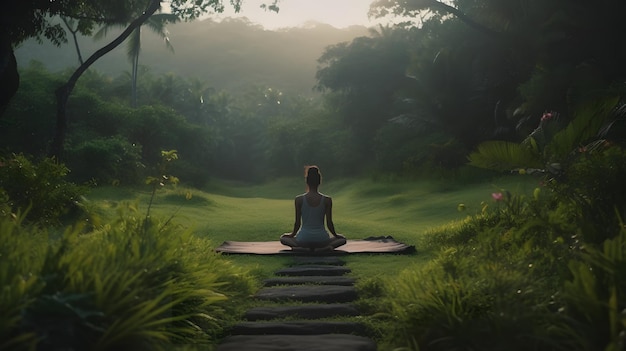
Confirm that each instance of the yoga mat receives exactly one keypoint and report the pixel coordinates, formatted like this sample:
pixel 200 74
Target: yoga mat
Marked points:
pixel 382 244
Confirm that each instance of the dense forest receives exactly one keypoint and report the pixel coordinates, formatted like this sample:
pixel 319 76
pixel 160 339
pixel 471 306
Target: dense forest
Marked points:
pixel 530 87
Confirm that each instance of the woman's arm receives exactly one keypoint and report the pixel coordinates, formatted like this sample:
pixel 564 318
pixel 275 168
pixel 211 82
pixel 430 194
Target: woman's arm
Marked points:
pixel 297 222
pixel 329 215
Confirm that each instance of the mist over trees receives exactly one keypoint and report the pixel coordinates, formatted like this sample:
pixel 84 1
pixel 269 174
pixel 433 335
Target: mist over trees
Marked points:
pixel 229 55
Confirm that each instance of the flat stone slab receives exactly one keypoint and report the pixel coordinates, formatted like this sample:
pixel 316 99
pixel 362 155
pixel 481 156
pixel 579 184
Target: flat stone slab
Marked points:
pixel 298 328
pixel 328 260
pixel 301 311
pixel 331 342
pixel 312 279
pixel 309 293
pixel 313 269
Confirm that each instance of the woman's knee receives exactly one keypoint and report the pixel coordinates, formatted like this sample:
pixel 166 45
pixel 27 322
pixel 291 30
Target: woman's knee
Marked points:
pixel 288 240
pixel 336 242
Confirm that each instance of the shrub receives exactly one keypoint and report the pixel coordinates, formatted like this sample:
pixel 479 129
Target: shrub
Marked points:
pixel 39 187
pixel 106 160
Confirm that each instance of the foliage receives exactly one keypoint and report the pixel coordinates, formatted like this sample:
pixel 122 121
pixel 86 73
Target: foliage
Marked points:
pixel 28 122
pixel 364 74
pixel 593 299
pixel 23 251
pixel 156 23
pixel 40 189
pixel 541 272
pixel 106 161
pixel 575 160
pixel 496 281
pixel 160 179
pixel 146 289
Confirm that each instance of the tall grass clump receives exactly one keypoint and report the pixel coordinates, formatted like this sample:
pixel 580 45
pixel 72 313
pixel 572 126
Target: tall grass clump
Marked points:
pixel 124 286
pixel 22 254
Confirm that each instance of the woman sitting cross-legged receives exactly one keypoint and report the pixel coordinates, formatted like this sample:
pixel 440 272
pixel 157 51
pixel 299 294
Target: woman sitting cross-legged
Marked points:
pixel 311 209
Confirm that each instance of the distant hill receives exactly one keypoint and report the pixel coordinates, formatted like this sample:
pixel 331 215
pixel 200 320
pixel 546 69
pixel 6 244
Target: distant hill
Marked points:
pixel 229 55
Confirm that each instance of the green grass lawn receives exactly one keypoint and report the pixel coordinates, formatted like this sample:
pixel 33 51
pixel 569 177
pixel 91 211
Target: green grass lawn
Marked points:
pixel 406 210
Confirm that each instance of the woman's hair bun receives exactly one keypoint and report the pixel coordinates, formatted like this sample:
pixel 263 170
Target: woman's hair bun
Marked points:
pixel 313 176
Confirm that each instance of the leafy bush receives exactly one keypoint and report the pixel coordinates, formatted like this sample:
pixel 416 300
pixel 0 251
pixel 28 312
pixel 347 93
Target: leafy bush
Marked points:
pixel 106 160
pixel 145 288
pixel 39 187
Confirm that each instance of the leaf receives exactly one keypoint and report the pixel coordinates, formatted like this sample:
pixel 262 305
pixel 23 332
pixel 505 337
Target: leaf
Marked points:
pixel 504 156
pixel 586 125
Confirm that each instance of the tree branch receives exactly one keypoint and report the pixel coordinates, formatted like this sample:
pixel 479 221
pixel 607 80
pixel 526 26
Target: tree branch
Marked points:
pixel 63 92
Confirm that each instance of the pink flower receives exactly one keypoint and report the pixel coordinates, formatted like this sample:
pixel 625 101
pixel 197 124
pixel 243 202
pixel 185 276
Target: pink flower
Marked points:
pixel 497 196
pixel 546 116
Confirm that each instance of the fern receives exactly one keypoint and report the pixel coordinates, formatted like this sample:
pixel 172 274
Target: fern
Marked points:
pixel 587 122
pixel 504 156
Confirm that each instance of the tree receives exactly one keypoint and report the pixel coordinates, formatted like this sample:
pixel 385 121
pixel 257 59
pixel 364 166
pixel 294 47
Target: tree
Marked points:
pixel 156 23
pixel 411 8
pixel 363 77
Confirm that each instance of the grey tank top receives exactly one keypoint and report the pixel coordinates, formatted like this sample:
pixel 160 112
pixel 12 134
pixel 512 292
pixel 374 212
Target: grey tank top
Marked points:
pixel 312 229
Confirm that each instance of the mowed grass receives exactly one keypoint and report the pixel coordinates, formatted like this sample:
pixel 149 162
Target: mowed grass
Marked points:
pixel 405 210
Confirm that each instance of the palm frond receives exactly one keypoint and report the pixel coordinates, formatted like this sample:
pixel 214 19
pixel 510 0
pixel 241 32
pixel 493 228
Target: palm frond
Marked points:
pixel 157 23
pixel 587 123
pixel 104 30
pixel 133 44
pixel 504 156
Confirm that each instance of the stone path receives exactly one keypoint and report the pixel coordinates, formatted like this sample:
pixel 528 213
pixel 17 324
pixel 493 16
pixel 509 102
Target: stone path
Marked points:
pixel 311 290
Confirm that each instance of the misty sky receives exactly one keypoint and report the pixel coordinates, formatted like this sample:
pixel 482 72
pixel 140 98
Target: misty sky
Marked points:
pixel 293 13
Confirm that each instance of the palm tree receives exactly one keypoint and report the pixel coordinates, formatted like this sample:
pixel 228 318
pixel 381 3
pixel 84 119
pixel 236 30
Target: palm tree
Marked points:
pixel 157 23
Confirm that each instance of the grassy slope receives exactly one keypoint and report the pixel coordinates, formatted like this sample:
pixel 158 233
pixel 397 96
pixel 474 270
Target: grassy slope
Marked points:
pixel 362 208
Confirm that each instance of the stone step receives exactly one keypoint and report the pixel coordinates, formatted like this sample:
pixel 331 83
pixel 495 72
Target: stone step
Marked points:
pixel 318 260
pixel 309 293
pixel 306 270
pixel 298 328
pixel 330 342
pixel 315 311
pixel 312 279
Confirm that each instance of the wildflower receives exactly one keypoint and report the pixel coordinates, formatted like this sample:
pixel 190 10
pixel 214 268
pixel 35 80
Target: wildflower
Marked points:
pixel 546 116
pixel 497 196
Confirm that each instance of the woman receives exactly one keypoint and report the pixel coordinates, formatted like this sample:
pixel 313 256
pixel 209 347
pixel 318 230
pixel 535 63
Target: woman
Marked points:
pixel 311 209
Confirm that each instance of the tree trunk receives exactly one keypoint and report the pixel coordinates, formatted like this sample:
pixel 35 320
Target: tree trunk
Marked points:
pixel 64 91
pixel 9 75
pixel 134 73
